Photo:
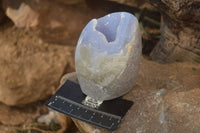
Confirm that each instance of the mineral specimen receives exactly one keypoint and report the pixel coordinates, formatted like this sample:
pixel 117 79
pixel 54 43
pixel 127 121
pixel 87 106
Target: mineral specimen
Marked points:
pixel 107 57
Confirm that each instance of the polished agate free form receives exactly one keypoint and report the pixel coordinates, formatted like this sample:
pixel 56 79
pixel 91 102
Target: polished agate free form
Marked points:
pixel 107 57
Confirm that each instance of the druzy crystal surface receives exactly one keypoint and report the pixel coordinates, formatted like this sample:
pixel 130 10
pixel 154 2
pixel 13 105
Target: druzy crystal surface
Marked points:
pixel 107 57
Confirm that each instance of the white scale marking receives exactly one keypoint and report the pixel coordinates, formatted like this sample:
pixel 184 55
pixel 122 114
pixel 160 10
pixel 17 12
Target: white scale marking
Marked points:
pixel 91 118
pixel 85 107
pixel 71 111
pixel 88 120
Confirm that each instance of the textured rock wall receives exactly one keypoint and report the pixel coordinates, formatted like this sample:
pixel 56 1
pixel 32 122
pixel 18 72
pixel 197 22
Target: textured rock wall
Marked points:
pixel 180 36
pixel 30 69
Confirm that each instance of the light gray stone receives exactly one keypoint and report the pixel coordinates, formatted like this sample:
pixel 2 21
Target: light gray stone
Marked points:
pixel 108 56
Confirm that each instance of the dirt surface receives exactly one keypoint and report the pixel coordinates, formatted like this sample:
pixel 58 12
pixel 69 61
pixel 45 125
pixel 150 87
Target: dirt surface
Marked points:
pixel 185 75
pixel 25 119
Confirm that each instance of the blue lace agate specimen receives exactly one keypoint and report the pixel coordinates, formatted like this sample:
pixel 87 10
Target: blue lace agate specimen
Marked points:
pixel 107 57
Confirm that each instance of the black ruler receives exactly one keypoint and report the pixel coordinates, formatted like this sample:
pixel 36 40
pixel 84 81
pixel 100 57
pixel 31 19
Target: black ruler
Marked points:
pixel 68 100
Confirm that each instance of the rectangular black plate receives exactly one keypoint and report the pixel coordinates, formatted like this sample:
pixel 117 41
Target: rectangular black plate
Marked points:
pixel 68 100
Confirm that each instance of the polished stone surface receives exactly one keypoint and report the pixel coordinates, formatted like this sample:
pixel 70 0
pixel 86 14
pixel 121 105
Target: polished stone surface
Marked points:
pixel 108 56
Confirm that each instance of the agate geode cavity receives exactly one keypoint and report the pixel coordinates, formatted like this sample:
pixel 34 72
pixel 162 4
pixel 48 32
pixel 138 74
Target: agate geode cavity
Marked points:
pixel 107 57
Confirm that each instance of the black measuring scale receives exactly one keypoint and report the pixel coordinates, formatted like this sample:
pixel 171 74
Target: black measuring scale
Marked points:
pixel 69 101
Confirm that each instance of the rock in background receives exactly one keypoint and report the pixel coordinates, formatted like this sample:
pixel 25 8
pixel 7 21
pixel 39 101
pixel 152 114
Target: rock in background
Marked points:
pixel 30 69
pixel 180 36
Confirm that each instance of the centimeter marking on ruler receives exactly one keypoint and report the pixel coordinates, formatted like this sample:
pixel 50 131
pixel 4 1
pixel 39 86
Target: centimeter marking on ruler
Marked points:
pixel 117 119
